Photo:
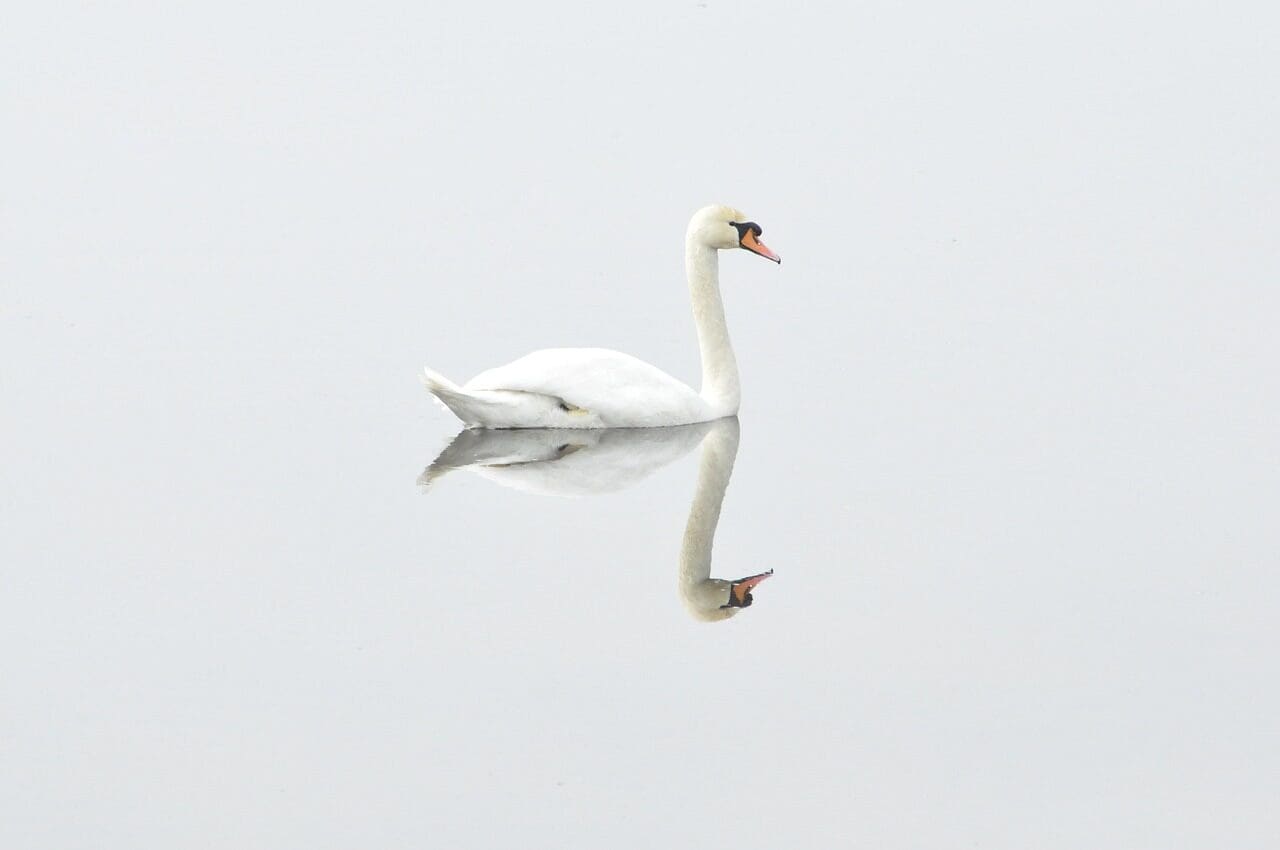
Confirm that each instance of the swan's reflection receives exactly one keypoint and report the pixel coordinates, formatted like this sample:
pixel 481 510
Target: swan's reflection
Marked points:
pixel 584 462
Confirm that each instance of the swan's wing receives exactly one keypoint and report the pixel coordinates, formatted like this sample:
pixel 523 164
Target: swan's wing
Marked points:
pixel 616 387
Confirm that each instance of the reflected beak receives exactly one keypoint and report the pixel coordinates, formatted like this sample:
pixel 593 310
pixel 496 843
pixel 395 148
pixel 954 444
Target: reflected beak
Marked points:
pixel 754 245
pixel 740 588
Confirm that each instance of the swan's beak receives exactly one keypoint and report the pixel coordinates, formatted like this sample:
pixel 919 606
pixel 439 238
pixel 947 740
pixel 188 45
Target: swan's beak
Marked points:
pixel 754 245
pixel 740 590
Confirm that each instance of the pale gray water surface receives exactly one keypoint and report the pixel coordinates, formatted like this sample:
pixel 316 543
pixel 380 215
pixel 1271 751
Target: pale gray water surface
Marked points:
pixel 1008 436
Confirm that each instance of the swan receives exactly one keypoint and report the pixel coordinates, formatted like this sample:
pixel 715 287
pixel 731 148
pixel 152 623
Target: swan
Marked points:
pixel 574 463
pixel 599 388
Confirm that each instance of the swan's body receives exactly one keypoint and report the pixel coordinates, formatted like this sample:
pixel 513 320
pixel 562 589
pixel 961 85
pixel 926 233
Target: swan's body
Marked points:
pixel 599 388
pixel 573 388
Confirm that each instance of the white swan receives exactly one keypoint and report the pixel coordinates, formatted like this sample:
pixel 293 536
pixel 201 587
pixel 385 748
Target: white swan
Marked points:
pixel 575 463
pixel 598 388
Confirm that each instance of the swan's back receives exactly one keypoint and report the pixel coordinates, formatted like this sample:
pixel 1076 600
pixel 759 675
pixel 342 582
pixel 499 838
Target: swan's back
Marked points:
pixel 619 389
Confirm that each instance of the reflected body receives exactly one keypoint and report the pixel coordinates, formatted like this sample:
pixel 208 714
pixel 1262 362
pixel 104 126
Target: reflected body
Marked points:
pixel 565 462
pixel 584 388
pixel 574 463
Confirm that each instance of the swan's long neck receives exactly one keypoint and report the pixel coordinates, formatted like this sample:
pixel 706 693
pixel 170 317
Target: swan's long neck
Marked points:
pixel 702 594
pixel 719 368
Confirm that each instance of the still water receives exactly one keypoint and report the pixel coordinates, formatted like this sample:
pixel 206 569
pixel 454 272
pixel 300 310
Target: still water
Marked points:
pixel 1007 442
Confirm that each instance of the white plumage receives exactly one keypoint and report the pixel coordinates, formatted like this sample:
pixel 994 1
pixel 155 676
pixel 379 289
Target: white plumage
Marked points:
pixel 599 388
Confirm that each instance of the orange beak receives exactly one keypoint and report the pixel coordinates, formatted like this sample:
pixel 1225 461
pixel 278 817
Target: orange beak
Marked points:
pixel 742 586
pixel 751 243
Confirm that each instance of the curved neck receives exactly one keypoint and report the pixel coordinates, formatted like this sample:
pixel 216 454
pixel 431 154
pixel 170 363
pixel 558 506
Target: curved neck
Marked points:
pixel 719 368
pixel 702 594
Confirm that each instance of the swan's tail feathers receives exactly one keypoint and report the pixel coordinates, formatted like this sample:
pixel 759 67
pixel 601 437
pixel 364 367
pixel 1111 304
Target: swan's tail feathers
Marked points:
pixel 484 408
pixel 436 383
pixel 451 396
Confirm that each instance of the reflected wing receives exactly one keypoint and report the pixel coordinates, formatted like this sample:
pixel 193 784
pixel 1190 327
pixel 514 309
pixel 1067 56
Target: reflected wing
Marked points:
pixel 562 461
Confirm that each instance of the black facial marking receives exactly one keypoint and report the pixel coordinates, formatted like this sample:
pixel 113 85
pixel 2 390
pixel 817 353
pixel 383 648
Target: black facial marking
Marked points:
pixel 746 227
pixel 734 603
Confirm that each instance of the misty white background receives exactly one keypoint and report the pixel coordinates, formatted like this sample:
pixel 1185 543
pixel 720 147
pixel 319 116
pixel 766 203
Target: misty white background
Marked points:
pixel 1009 430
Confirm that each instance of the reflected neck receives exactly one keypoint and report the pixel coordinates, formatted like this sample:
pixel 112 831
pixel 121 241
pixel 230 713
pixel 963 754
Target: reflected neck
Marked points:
pixel 702 594
pixel 719 367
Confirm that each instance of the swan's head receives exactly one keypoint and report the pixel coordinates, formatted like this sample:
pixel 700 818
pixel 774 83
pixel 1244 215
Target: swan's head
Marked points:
pixel 724 227
pixel 715 599
pixel 740 590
